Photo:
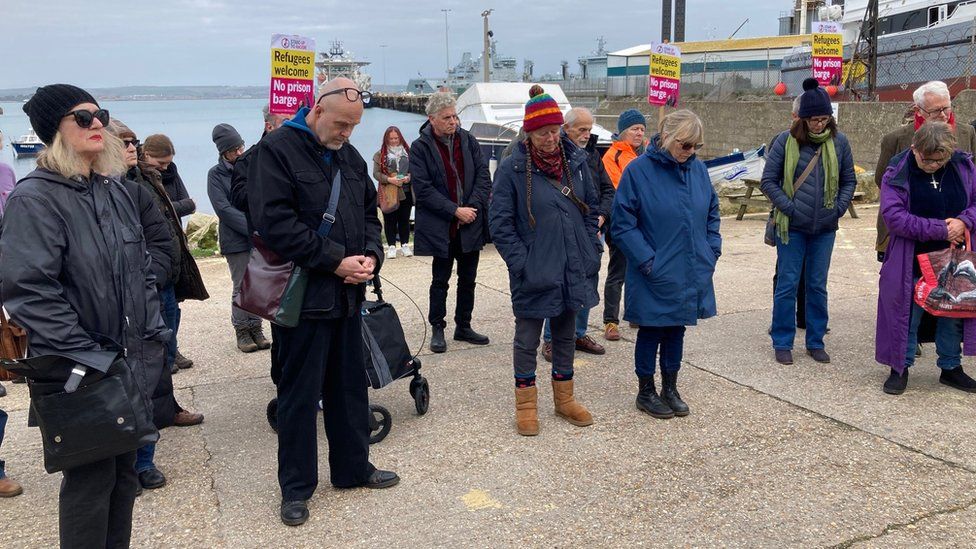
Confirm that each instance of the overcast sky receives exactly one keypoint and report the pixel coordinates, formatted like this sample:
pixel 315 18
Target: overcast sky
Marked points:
pixel 99 43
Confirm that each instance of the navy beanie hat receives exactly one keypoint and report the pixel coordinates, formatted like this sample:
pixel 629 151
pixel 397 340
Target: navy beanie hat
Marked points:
pixel 814 101
pixel 630 117
pixel 49 105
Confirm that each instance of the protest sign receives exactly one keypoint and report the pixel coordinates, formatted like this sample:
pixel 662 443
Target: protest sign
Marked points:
pixel 292 73
pixel 664 84
pixel 828 53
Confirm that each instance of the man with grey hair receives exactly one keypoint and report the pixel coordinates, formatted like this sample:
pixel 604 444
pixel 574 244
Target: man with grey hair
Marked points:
pixel 932 103
pixel 451 184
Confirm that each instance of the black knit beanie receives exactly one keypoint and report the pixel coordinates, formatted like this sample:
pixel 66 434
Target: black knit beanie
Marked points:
pixel 50 104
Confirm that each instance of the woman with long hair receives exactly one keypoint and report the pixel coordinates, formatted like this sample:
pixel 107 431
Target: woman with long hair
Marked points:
pixel 391 166
pixel 75 276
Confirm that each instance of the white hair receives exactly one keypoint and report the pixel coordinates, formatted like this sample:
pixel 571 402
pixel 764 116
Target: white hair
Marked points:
pixel 572 115
pixel 935 87
pixel 439 101
pixel 796 105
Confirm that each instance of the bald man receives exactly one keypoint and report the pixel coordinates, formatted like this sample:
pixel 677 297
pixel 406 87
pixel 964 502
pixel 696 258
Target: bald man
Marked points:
pixel 290 180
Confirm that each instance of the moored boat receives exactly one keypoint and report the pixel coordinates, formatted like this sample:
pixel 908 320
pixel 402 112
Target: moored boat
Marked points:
pixel 27 145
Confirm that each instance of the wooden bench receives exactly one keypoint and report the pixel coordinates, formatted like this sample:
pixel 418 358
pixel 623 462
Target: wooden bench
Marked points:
pixel 746 199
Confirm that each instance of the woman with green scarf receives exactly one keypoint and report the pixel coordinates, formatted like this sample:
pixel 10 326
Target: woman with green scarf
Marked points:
pixel 806 214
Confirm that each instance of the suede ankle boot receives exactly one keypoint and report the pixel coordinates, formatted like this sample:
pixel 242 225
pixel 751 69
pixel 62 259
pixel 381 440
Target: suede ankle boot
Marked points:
pixel 526 411
pixel 669 394
pixel 566 405
pixel 648 401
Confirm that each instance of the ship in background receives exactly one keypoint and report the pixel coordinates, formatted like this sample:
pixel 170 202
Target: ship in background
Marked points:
pixel 338 63
pixel 918 41
pixel 469 71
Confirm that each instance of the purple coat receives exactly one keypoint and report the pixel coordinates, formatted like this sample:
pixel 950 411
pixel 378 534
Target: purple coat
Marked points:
pixel 896 285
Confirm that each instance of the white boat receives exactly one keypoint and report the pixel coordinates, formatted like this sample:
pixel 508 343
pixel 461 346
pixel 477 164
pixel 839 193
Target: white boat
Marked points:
pixel 736 166
pixel 493 112
pixel 28 145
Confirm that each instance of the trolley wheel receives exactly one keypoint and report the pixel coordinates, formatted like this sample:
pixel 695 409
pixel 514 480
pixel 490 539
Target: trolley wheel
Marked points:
pixel 420 390
pixel 273 414
pixel 380 422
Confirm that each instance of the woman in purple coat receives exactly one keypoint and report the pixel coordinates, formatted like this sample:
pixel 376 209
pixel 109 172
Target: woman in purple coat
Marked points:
pixel 928 200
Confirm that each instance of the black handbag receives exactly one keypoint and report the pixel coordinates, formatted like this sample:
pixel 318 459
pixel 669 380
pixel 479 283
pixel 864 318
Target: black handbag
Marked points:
pixel 106 415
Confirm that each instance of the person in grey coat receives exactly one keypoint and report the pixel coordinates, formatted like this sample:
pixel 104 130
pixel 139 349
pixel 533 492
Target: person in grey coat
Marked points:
pixel 235 244
pixel 76 275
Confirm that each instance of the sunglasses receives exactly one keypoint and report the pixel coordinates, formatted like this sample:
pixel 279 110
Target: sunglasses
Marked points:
pixel 85 118
pixel 689 146
pixel 352 94
pixel 126 143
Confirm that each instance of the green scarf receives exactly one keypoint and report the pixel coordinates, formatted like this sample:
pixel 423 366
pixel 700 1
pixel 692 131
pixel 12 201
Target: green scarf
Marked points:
pixel 828 159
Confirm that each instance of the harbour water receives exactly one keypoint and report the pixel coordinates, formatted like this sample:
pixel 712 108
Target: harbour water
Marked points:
pixel 189 125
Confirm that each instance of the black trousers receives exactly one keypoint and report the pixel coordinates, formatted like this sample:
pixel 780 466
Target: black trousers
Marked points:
pixel 95 507
pixel 467 273
pixel 396 225
pixel 321 359
pixel 613 287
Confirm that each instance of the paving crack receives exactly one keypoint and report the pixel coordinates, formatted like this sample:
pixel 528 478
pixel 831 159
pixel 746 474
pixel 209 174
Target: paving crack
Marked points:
pixel 208 467
pixel 894 527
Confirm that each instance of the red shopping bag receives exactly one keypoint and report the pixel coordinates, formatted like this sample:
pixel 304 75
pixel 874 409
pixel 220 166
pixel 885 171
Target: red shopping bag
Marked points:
pixel 948 283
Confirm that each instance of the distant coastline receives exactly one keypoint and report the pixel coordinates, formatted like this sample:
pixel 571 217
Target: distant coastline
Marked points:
pixel 167 93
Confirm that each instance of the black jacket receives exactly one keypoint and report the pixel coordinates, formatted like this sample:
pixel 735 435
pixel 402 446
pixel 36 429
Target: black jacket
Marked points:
pixel 605 188
pixel 75 273
pixel 176 190
pixel 434 207
pixel 238 186
pixel 288 185
pixel 232 230
pixel 159 236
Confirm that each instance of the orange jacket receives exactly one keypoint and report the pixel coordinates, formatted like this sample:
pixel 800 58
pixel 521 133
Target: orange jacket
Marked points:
pixel 616 159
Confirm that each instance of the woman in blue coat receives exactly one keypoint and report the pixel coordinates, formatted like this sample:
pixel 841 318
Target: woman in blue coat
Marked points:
pixel 543 220
pixel 806 216
pixel 666 221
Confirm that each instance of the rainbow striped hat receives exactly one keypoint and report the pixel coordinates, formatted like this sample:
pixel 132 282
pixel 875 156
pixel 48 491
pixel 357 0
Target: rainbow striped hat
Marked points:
pixel 541 110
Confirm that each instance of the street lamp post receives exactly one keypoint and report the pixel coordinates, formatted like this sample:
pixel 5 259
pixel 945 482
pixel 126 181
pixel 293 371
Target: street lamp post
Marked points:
pixel 447 48
pixel 486 62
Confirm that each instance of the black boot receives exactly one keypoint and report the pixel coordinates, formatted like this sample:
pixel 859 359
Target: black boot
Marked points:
pixel 648 401
pixel 465 333
pixel 669 394
pixel 896 383
pixel 437 343
pixel 957 379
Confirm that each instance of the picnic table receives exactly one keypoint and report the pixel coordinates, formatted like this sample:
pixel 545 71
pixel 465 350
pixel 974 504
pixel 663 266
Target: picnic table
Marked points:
pixel 747 199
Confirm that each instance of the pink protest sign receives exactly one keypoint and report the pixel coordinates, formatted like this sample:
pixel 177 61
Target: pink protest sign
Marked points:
pixel 664 84
pixel 292 73
pixel 828 53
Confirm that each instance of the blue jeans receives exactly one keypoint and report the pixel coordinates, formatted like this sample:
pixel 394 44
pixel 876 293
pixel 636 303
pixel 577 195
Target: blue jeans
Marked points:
pixel 171 317
pixel 808 254
pixel 948 340
pixel 3 426
pixel 144 458
pixel 670 339
pixel 582 323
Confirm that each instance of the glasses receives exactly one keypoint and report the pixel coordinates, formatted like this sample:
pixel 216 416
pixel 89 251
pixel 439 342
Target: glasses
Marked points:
pixel 85 118
pixel 932 161
pixel 945 111
pixel 689 146
pixel 820 121
pixel 352 94
pixel 126 143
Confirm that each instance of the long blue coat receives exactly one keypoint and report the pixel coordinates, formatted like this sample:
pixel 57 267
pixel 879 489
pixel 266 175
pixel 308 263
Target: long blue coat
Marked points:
pixel 551 267
pixel 666 221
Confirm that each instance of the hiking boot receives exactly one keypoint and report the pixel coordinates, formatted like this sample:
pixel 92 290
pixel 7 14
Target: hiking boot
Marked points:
pixel 182 362
pixel 670 396
pixel 245 341
pixel 547 350
pixel 819 355
pixel 611 332
pixel 784 356
pixel 257 334
pixel 587 345
pixel 957 379
pixel 896 383
pixel 648 401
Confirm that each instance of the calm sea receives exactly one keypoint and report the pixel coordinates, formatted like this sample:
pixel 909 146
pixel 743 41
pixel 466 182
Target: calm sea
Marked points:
pixel 189 125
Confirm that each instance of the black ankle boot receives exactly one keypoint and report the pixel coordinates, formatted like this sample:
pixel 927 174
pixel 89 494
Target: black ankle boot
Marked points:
pixel 670 396
pixel 437 342
pixel 896 383
pixel 648 401
pixel 957 379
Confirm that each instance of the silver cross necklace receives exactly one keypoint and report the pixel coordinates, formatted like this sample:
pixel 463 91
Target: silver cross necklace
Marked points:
pixel 937 184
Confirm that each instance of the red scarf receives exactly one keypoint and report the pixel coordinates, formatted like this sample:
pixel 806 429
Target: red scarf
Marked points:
pixel 919 121
pixel 550 164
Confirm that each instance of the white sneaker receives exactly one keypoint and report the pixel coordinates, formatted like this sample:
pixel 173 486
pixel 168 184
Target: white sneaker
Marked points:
pixel 391 252
pixel 406 250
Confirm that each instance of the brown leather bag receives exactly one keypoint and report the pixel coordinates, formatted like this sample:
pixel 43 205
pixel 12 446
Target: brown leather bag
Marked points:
pixel 388 197
pixel 13 343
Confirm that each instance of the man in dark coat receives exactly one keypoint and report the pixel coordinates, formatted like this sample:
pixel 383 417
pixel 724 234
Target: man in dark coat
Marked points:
pixel 290 178
pixel 451 184
pixel 235 242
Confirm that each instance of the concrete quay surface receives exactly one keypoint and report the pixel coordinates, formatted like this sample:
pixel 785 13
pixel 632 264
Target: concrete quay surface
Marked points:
pixel 808 455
